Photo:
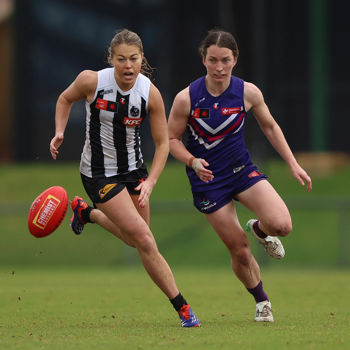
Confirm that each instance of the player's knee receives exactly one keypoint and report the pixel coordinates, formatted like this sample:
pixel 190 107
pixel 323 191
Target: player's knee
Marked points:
pixel 282 228
pixel 242 255
pixel 144 240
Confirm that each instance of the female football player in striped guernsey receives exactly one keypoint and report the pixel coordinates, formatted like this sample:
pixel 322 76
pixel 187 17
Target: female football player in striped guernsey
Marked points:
pixel 219 167
pixel 112 167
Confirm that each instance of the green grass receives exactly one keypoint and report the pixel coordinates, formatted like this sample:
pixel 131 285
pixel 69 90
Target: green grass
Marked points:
pixel 22 181
pixel 122 309
pixel 320 220
pixel 91 292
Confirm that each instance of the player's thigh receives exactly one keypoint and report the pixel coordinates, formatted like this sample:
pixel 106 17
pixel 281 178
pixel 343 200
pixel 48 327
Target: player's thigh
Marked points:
pixel 263 200
pixel 226 224
pixel 122 212
pixel 145 211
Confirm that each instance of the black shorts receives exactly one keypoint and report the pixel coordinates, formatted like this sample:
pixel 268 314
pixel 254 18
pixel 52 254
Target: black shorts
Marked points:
pixel 102 189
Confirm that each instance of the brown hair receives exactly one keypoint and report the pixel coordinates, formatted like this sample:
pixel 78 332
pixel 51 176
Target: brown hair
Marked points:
pixel 219 38
pixel 125 36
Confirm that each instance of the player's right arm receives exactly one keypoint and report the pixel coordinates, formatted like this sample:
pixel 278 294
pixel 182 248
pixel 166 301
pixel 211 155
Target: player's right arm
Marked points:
pixel 177 122
pixel 83 87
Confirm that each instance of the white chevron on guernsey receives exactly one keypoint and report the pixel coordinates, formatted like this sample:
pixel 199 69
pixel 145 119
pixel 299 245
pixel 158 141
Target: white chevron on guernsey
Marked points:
pixel 209 145
pixel 202 142
pixel 220 127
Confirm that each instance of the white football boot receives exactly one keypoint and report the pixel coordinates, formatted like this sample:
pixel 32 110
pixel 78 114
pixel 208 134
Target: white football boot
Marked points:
pixel 263 312
pixel 272 244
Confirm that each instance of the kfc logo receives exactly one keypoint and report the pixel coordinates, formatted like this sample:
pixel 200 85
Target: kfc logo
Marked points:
pixel 131 122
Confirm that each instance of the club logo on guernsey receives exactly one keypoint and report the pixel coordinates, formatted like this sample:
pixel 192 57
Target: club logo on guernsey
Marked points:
pixel 134 111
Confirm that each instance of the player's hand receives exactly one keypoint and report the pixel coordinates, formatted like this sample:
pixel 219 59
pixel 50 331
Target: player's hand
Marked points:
pixel 55 143
pixel 199 166
pixel 301 175
pixel 145 187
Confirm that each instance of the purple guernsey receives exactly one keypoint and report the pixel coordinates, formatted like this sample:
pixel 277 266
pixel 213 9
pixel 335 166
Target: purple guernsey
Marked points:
pixel 216 132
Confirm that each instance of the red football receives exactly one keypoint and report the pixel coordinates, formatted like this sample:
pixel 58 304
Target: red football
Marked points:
pixel 47 211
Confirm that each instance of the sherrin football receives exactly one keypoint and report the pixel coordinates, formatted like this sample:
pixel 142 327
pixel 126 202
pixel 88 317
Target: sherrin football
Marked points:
pixel 47 211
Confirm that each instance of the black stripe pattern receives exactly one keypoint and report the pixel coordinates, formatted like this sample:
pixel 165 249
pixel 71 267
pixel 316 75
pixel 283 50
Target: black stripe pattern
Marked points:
pixel 97 158
pixel 137 146
pixel 119 133
pixel 113 144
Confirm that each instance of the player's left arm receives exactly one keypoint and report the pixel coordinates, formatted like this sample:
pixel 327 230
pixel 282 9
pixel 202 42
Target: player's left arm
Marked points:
pixel 254 101
pixel 159 132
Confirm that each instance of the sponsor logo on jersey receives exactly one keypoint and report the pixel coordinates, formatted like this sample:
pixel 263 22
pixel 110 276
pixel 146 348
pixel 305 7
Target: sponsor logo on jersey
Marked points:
pixel 122 100
pixel 201 113
pixel 134 111
pixel 103 191
pixel 106 105
pixel 216 105
pixel 132 122
pixel 201 100
pixel 254 173
pixel 231 110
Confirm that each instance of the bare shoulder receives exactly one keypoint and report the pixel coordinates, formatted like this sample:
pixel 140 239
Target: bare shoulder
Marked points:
pixel 87 79
pixel 183 96
pixel 179 114
pixel 84 86
pixel 155 99
pixel 182 104
pixel 88 74
pixel 154 92
pixel 252 95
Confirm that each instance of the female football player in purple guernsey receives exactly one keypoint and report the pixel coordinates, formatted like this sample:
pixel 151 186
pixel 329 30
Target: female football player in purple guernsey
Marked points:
pixel 212 110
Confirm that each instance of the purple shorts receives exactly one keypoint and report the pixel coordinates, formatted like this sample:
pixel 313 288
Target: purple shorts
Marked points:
pixel 209 201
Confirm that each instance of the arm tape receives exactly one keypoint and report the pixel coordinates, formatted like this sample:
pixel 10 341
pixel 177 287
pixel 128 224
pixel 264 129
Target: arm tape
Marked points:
pixel 190 161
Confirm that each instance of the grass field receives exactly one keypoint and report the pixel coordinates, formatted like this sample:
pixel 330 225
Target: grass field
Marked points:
pixel 122 309
pixel 90 291
pixel 320 219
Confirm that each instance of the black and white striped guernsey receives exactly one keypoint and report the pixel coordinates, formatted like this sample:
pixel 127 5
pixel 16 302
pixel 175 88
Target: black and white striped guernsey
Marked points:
pixel 113 121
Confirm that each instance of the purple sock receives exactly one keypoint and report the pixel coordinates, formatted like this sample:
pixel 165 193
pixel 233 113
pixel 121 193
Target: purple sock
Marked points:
pixel 257 230
pixel 258 293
